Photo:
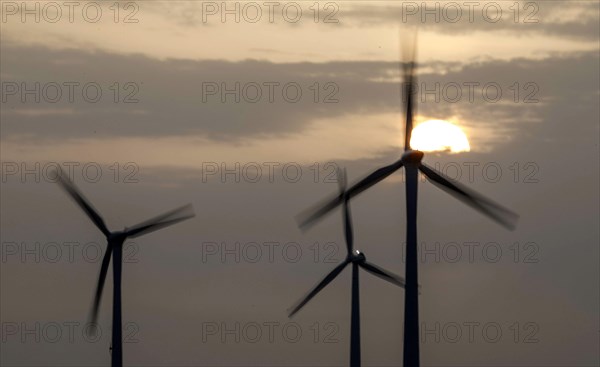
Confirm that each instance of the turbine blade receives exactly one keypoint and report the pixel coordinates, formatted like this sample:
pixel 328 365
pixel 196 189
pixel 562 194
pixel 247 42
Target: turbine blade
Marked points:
pixel 348 227
pixel 408 90
pixel 164 220
pixel 76 195
pixel 100 286
pixel 383 274
pixel 342 177
pixel 500 214
pixel 409 82
pixel 309 217
pixel 331 276
pixel 373 178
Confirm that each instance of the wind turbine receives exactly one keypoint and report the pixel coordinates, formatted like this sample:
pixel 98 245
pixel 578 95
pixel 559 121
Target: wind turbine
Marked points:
pixel 115 242
pixel 412 162
pixel 357 259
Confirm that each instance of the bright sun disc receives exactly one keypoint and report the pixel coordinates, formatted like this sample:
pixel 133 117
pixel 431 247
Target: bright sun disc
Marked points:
pixel 436 135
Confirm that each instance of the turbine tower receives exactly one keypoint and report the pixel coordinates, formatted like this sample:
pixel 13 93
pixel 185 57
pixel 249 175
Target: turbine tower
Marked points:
pixel 411 160
pixel 114 247
pixel 358 260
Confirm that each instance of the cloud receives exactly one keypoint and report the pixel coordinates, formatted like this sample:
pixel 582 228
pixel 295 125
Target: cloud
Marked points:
pixel 170 95
pixel 578 21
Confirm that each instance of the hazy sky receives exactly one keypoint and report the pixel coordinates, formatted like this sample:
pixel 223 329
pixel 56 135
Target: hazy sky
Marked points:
pixel 245 111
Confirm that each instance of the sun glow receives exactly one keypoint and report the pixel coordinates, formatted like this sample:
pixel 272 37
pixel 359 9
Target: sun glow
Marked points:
pixel 439 135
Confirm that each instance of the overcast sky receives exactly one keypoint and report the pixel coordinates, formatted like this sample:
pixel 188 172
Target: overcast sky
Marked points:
pixel 139 103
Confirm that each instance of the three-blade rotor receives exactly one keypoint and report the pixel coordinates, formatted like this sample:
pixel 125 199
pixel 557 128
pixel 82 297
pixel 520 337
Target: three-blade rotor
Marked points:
pixel 117 238
pixel 352 255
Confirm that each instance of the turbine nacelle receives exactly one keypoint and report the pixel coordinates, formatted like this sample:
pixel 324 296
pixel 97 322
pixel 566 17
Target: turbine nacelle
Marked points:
pixel 357 256
pixel 412 157
pixel 117 237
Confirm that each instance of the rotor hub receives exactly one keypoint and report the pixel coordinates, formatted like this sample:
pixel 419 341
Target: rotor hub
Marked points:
pixel 358 256
pixel 118 236
pixel 412 157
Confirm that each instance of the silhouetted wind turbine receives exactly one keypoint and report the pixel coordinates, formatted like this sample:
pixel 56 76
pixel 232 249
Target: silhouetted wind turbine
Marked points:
pixel 357 259
pixel 115 242
pixel 411 161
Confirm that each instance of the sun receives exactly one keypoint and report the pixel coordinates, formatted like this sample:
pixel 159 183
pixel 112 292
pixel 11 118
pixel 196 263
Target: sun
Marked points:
pixel 439 135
